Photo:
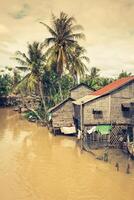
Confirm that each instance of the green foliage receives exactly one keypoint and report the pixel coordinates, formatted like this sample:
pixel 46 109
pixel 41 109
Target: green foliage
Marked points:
pixel 124 74
pixel 77 63
pixel 30 114
pixel 16 77
pixel 66 83
pixel 51 82
pixel 95 81
pixel 34 64
pixel 6 83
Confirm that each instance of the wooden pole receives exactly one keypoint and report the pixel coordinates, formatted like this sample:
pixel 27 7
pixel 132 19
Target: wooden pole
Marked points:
pixel 133 132
pixel 81 127
pixel 128 169
pixel 81 116
pixel 117 166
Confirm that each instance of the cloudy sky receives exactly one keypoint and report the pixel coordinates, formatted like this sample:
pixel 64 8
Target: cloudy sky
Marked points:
pixel 108 26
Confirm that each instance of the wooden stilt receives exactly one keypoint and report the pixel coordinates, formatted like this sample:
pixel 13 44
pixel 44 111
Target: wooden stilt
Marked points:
pixel 117 166
pixel 128 169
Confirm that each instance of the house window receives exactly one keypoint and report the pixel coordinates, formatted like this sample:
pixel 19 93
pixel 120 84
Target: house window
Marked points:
pixel 126 109
pixel 97 113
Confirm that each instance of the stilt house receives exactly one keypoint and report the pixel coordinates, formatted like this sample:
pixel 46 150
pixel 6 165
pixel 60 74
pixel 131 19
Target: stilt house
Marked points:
pixel 112 105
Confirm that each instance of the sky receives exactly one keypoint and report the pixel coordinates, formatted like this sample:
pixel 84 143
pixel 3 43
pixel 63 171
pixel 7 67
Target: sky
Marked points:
pixel 108 27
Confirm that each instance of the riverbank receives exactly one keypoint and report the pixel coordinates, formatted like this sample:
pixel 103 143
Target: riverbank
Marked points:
pixel 7 101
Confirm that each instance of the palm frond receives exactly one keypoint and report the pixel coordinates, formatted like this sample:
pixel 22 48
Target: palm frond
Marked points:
pixel 76 36
pixel 49 41
pixel 20 61
pixel 85 58
pixel 21 68
pixel 76 27
pixel 32 82
pixel 49 29
pixel 63 43
pixel 22 83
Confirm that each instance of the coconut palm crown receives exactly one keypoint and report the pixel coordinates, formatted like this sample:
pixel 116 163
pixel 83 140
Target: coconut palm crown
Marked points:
pixel 63 39
pixel 33 64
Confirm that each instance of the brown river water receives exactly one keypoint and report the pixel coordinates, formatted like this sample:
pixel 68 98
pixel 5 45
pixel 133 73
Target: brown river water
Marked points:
pixel 35 165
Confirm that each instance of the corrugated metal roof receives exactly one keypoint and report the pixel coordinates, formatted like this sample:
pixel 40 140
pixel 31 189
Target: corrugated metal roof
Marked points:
pixel 85 99
pixel 105 90
pixel 113 86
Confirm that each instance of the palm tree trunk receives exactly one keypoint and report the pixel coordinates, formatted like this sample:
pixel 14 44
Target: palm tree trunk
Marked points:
pixel 42 95
pixel 78 78
pixel 61 96
pixel 75 80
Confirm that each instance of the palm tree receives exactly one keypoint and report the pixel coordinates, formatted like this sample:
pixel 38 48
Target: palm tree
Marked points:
pixel 94 73
pixel 33 64
pixel 77 64
pixel 62 39
pixel 124 74
pixel 92 79
pixel 102 81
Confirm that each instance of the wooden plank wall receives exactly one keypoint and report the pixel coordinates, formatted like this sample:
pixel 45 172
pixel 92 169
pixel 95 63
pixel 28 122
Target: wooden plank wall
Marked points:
pixel 98 104
pixel 80 92
pixel 63 116
pixel 111 108
pixel 119 97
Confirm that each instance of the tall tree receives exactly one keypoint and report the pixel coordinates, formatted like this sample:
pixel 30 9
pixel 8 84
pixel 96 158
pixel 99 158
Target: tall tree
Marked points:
pixel 33 64
pixel 94 73
pixel 51 87
pixel 77 65
pixel 93 78
pixel 62 39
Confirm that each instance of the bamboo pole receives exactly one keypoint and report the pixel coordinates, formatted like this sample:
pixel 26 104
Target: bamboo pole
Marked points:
pixel 82 132
pixel 133 133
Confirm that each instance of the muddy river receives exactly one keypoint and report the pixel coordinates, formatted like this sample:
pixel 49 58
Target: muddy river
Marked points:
pixel 35 165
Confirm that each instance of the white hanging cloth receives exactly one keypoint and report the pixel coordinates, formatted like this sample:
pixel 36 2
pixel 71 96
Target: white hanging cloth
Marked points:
pixel 93 129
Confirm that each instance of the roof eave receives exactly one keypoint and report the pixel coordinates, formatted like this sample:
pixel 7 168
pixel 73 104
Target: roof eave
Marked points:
pixel 107 93
pixel 56 106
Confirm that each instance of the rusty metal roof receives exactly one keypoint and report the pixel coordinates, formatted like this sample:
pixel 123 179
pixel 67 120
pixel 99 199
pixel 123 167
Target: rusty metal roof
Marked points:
pixel 105 90
pixel 113 86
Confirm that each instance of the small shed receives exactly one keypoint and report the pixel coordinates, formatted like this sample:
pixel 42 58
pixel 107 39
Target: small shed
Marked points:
pixel 62 114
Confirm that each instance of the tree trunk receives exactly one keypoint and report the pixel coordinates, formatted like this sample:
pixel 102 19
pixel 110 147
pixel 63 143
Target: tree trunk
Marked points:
pixel 75 81
pixel 42 95
pixel 61 96
pixel 78 78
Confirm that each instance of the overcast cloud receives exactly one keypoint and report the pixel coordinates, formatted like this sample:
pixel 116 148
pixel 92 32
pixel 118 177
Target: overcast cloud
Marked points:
pixel 108 26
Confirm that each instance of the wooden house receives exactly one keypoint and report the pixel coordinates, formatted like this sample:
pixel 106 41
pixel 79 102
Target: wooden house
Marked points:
pixel 62 115
pixel 111 105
